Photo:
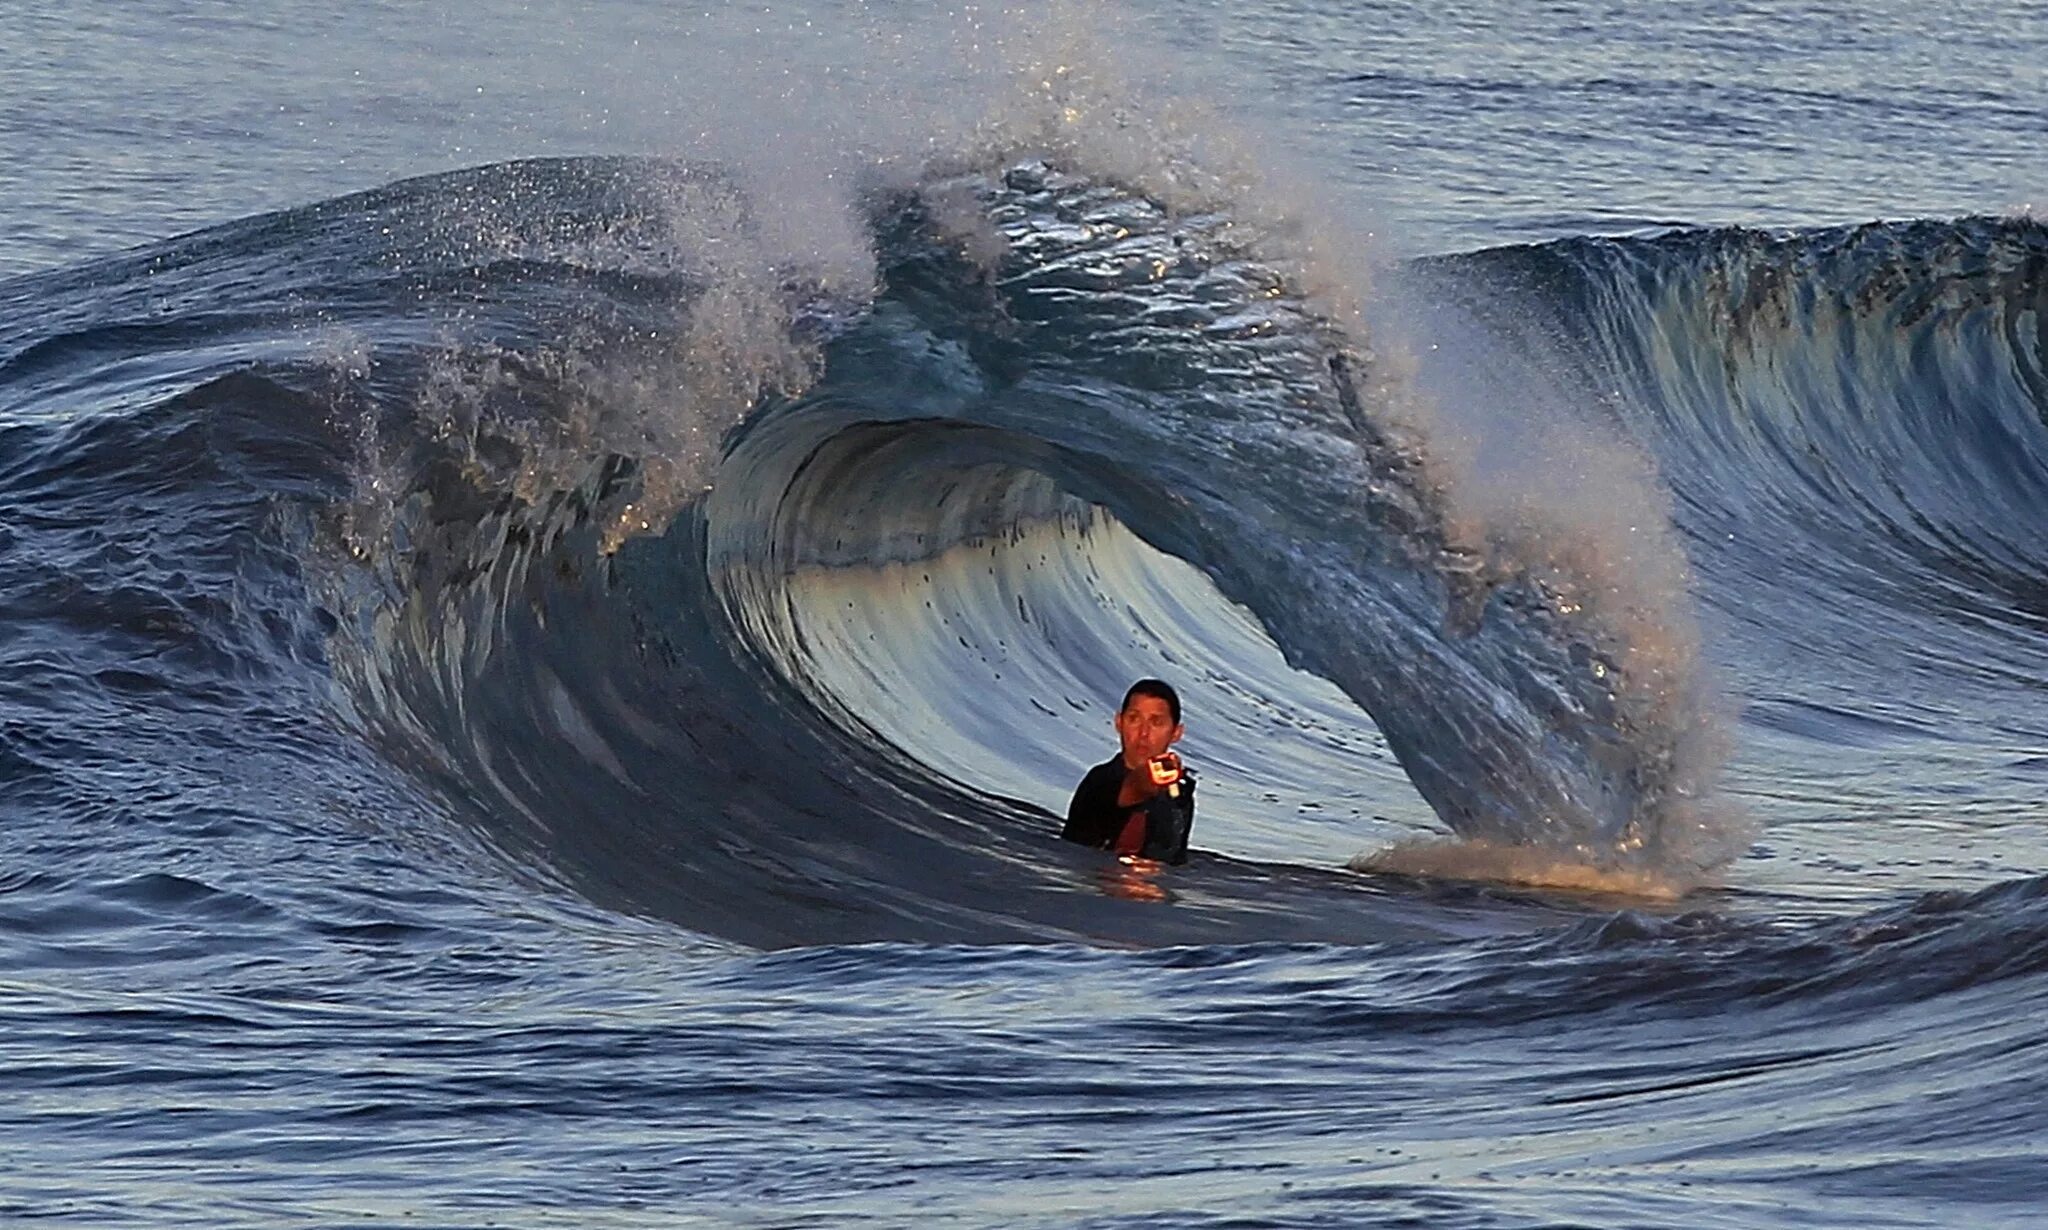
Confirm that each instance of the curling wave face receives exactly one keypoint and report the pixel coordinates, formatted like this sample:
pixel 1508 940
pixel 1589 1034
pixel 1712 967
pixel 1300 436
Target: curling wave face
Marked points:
pixel 1122 359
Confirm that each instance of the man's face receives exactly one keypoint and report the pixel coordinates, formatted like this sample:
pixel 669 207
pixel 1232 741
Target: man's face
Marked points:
pixel 1145 728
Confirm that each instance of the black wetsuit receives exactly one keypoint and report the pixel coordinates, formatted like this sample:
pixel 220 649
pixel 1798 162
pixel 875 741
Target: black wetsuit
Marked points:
pixel 1094 819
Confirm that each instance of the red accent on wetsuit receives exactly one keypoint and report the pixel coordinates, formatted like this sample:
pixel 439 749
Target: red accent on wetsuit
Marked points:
pixel 1132 839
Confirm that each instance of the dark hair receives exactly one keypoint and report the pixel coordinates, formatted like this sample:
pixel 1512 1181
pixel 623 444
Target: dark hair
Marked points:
pixel 1158 689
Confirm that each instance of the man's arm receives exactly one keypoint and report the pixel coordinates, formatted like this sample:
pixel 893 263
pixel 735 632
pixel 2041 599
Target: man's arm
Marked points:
pixel 1168 821
pixel 1092 815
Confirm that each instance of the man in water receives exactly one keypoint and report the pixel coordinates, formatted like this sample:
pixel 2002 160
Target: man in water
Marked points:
pixel 1140 802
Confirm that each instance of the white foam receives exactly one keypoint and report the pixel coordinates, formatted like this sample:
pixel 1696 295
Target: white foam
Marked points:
pixel 1524 866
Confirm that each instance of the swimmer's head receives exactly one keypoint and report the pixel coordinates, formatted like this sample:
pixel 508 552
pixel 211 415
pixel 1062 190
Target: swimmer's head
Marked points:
pixel 1149 721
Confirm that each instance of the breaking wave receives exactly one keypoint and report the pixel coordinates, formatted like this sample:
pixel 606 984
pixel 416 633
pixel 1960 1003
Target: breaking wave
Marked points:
pixel 787 597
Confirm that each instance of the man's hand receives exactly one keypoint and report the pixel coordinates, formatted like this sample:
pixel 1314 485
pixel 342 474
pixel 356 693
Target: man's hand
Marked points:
pixel 1165 771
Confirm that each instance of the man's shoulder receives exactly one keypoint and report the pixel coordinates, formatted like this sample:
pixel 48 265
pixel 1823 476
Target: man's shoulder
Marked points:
pixel 1110 770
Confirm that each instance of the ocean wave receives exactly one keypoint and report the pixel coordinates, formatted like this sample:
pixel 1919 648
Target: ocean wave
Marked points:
pixel 1872 399
pixel 755 595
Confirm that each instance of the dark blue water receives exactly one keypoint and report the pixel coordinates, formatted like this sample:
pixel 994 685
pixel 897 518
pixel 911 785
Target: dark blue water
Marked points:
pixel 557 573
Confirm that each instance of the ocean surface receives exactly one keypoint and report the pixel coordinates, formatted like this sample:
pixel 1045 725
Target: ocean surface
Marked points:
pixel 558 569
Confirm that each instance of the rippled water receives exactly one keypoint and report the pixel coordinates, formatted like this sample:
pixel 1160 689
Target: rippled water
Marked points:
pixel 559 571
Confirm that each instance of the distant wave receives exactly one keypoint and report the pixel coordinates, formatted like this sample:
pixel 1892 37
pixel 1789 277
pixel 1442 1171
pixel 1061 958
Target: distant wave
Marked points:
pixel 1869 399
